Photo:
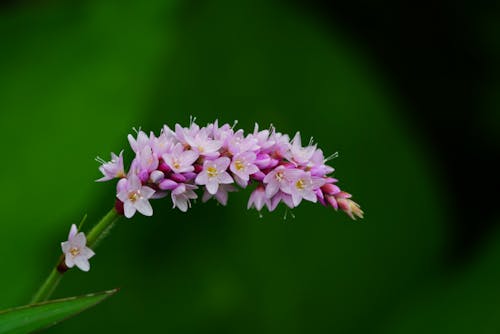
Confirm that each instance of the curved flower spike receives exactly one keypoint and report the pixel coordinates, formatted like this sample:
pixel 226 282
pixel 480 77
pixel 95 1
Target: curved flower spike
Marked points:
pixel 215 159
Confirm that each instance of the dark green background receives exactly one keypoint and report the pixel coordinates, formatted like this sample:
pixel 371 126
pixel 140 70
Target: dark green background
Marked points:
pixel 74 80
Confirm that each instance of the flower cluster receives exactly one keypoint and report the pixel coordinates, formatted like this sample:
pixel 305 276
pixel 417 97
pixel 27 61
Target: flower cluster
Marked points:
pixel 216 158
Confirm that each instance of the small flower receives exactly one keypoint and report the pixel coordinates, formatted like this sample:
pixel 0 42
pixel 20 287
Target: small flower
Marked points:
pixel 214 173
pixel 301 186
pixel 258 199
pixel 75 250
pixel 135 197
pixel 180 161
pixel 243 166
pixel 181 196
pixel 300 154
pixel 275 180
pixel 113 168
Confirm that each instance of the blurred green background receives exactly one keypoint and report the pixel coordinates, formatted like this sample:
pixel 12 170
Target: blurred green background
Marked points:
pixel 76 77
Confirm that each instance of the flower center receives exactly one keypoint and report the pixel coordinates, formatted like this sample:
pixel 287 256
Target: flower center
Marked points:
pixel 239 165
pixel 212 171
pixel 300 184
pixel 279 176
pixel 176 164
pixel 74 251
pixel 134 196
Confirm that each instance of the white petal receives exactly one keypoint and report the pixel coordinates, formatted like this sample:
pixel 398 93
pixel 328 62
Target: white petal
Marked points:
pixel 79 240
pixel 82 263
pixel 225 178
pixel 72 231
pixel 212 187
pixel 87 252
pixel 128 209
pixel 272 188
pixel 144 207
pixel 69 261
pixel 296 198
pixel 310 196
pixel 65 246
pixel 147 192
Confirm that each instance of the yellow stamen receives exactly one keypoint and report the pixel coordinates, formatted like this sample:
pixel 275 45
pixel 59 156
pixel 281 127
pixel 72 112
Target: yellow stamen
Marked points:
pixel 300 184
pixel 212 171
pixel 74 251
pixel 239 165
pixel 134 196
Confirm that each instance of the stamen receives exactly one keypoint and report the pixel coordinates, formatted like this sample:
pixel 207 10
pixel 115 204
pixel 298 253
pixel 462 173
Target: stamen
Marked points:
pixel 333 156
pixel 100 160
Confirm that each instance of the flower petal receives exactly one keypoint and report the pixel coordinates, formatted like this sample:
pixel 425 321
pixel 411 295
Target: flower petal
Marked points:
pixel 144 207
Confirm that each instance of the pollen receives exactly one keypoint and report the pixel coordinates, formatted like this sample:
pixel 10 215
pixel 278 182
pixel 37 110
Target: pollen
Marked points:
pixel 279 176
pixel 74 251
pixel 239 165
pixel 134 196
pixel 300 184
pixel 176 164
pixel 212 171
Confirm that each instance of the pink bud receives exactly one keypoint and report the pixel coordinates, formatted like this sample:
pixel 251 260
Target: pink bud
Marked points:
pixel 167 185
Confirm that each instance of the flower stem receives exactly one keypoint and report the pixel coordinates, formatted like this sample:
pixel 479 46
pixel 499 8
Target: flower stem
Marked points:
pixel 96 234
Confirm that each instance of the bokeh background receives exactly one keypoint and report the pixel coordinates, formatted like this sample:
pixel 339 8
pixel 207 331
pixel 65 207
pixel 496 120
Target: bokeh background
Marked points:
pixel 407 96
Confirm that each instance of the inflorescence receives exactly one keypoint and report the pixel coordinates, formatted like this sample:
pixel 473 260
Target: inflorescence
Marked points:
pixel 216 158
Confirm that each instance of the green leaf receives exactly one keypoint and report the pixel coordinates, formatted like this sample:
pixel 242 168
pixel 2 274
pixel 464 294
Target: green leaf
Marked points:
pixel 29 318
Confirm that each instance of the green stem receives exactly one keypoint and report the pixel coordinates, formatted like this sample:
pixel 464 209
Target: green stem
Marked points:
pixel 96 234
pixel 48 287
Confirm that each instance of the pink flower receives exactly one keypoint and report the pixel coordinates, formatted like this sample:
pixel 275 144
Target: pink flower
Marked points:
pixel 139 143
pixel 135 197
pixel 75 250
pixel 258 199
pixel 214 173
pixel 301 186
pixel 299 154
pixel 203 144
pixel 275 180
pixel 243 166
pixel 112 169
pixel 181 196
pixel 180 161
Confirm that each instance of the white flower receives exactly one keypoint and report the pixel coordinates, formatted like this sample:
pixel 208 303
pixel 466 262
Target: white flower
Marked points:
pixel 75 251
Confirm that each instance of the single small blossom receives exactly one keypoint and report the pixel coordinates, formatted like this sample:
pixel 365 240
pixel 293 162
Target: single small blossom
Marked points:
pixel 243 166
pixel 214 173
pixel 301 186
pixel 135 197
pixel 275 180
pixel 75 250
pixel 299 154
pixel 181 196
pixel 142 140
pixel 258 199
pixel 148 161
pixel 112 169
pixel 203 144
pixel 179 160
